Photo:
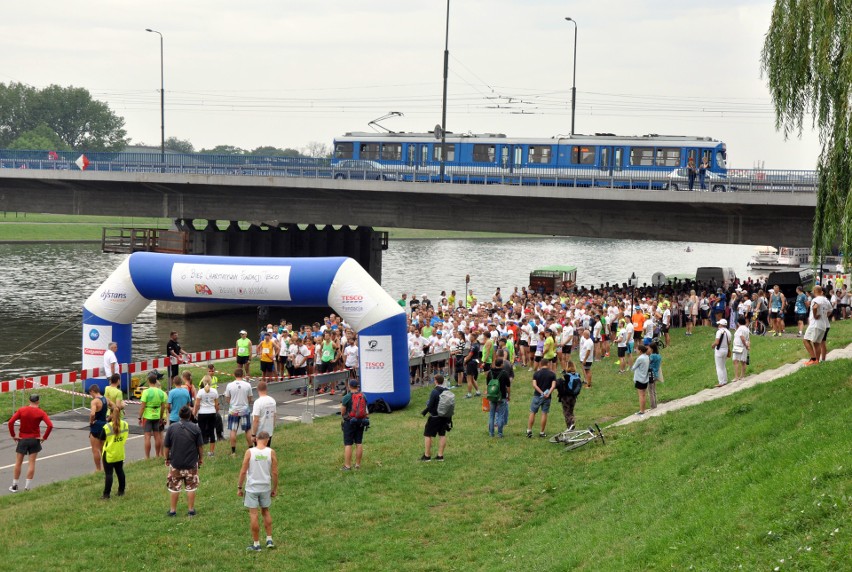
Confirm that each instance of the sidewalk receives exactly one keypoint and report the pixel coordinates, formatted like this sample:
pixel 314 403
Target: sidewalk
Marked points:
pixel 730 388
pixel 67 452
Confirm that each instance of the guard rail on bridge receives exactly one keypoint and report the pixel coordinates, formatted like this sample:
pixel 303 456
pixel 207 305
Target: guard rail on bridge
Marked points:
pixel 241 165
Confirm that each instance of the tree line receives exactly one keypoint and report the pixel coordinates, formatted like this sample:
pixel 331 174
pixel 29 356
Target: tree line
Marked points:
pixel 57 118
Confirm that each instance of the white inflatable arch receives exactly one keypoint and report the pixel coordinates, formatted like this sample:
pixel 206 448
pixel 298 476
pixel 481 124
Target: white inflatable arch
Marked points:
pixel 340 283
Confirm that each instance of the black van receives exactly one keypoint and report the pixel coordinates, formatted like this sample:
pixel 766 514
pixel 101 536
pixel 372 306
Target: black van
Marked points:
pixel 788 280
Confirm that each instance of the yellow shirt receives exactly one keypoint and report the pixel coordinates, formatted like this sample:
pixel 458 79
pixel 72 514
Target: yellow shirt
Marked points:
pixel 267 351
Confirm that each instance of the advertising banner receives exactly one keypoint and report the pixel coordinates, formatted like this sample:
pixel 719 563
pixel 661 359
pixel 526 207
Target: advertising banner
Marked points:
pixel 231 282
pixel 96 341
pixel 376 357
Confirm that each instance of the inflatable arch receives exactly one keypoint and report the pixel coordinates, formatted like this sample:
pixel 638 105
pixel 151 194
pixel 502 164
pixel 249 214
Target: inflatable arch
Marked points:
pixel 340 283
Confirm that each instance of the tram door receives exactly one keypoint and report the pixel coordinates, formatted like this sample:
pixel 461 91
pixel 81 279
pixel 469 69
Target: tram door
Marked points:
pixel 418 154
pixel 611 160
pixel 510 157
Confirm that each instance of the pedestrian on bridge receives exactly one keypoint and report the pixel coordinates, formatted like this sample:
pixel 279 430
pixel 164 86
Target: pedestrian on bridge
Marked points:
pixel 29 439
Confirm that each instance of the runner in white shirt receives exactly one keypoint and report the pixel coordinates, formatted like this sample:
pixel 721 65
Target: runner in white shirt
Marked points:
pixel 263 412
pixel 239 398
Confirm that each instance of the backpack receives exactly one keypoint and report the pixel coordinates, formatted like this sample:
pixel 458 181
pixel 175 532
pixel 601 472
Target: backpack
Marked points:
pixel 493 393
pixel 358 410
pixel 569 385
pixel 446 404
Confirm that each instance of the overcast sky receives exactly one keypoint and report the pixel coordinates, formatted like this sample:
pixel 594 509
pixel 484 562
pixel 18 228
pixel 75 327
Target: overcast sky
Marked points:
pixel 285 73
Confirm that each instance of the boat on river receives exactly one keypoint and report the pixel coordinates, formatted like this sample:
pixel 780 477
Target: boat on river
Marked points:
pixel 769 258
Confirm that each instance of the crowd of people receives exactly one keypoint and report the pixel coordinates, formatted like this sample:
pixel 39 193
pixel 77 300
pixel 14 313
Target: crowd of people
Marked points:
pixel 558 337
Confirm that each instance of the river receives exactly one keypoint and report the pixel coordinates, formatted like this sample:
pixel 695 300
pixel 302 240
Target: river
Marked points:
pixel 43 287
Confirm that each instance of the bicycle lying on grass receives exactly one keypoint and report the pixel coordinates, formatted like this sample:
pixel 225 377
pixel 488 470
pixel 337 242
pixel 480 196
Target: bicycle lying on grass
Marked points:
pixel 576 438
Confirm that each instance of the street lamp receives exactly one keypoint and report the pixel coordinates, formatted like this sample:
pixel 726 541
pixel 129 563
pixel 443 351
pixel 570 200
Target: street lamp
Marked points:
pixel 162 101
pixel 574 82
pixel 444 101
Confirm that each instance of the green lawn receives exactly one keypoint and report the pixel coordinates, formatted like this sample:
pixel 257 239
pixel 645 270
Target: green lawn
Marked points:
pixel 744 482
pixel 37 227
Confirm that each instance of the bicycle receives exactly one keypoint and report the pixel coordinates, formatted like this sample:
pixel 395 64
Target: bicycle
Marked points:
pixel 574 439
pixel 757 327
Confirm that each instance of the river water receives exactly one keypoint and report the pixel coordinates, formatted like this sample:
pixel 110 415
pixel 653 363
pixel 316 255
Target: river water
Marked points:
pixel 43 287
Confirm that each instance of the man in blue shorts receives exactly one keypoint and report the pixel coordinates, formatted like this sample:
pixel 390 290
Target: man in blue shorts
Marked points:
pixel 239 398
pixel 544 382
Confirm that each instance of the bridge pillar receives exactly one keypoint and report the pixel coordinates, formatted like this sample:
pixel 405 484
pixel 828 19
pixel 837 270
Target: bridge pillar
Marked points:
pixel 362 244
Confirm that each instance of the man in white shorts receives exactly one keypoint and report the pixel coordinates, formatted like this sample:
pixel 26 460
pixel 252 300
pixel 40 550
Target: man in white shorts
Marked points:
pixel 817 325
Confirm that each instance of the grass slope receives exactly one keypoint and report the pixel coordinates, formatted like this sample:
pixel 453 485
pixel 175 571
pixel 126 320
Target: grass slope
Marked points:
pixel 37 227
pixel 751 480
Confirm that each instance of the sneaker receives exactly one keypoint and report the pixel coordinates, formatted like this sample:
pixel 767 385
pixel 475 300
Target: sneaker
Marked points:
pixel 478 394
pixel 209 453
pixel 253 547
pixel 171 514
pixel 439 458
pixel 425 459
pixel 332 392
pixel 13 489
pixel 191 513
pixel 345 468
pixel 466 397
pixel 499 435
pixel 529 434
pixel 811 361
pixel 640 413
pixel 103 497
pixel 120 494
pixel 357 467
pixel 270 544
pixel 542 434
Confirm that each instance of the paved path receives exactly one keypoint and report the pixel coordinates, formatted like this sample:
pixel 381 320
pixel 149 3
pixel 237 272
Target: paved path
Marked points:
pixel 730 388
pixel 67 453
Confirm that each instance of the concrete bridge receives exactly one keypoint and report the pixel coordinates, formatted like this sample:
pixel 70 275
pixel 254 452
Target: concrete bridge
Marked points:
pixel 743 217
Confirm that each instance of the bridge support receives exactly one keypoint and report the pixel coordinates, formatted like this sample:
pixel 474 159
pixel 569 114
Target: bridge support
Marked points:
pixel 362 244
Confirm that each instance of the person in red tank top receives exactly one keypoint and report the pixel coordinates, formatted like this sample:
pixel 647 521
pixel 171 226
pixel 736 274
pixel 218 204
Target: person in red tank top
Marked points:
pixel 29 439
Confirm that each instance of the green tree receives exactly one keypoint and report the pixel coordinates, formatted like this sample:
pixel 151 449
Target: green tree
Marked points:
pixel 40 138
pixel 179 145
pixel 224 150
pixel 269 151
pixel 14 111
pixel 82 122
pixel 807 60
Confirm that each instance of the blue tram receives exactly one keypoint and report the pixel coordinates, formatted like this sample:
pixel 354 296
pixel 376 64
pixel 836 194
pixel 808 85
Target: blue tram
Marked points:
pixel 647 161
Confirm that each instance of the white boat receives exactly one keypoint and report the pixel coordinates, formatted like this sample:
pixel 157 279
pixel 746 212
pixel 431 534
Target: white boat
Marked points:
pixel 770 258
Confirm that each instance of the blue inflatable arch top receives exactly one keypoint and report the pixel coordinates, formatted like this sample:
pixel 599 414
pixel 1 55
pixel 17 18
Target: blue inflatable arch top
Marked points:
pixel 339 282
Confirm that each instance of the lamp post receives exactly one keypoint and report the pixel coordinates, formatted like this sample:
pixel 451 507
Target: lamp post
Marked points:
pixel 162 101
pixel 574 81
pixel 444 101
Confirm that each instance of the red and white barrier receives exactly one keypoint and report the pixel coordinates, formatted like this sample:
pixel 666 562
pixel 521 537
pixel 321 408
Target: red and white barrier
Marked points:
pixel 131 368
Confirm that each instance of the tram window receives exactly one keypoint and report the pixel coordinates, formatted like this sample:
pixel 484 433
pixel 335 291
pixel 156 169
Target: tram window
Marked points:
pixel 540 154
pixel 392 152
pixel 451 152
pixel 369 151
pixel 484 153
pixel 720 158
pixel 641 156
pixel 343 150
pixel 583 155
pixel 668 157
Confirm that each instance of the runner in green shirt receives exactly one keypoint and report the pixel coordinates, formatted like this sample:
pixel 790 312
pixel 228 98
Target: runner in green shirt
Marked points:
pixel 154 402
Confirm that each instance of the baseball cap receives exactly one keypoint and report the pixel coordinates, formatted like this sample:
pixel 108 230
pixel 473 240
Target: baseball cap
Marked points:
pixel 722 322
pixel 154 374
pixel 34 398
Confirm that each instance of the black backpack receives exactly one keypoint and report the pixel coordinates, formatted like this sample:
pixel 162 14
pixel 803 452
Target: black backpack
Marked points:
pixel 379 406
pixel 569 385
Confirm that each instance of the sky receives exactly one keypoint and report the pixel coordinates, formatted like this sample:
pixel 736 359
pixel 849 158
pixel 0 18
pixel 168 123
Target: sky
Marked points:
pixel 287 73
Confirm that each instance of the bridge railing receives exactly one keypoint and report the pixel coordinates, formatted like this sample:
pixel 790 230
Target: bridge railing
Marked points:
pixel 733 180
